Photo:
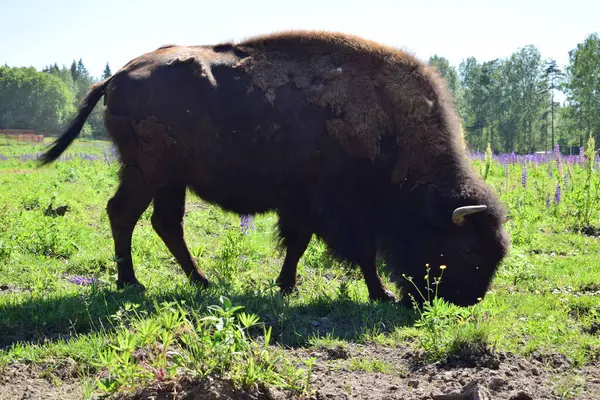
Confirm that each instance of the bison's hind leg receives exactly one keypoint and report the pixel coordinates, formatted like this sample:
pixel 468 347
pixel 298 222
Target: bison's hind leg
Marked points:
pixel 167 221
pixel 124 209
pixel 295 241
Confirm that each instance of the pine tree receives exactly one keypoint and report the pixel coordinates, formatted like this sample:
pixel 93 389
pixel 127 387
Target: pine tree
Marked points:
pixel 107 72
pixel 74 74
pixel 553 77
pixel 82 72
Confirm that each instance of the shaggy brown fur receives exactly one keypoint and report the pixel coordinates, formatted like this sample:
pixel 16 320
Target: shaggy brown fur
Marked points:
pixel 358 79
pixel 347 139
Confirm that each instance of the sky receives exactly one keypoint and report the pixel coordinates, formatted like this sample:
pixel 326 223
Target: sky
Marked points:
pixel 41 32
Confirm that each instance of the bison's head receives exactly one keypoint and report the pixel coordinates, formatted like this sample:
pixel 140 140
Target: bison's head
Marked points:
pixel 466 241
pixel 471 250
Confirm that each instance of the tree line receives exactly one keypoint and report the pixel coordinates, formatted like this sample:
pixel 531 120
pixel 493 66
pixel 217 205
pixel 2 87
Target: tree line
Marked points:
pixel 46 100
pixel 510 103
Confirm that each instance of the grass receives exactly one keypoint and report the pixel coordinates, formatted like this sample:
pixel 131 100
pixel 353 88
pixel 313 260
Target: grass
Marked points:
pixel 59 306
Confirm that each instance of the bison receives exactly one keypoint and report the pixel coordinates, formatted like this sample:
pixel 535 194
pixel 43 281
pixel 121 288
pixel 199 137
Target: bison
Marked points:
pixel 344 138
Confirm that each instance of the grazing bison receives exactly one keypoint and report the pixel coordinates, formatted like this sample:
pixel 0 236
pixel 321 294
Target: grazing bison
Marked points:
pixel 344 138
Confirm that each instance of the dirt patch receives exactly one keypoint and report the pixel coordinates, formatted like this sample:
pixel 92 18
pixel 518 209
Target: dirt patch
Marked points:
pixel 337 375
pixel 21 381
pixel 6 288
pixel 493 376
pixel 205 389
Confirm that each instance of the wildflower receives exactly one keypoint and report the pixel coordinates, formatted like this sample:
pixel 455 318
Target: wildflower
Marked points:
pixel 548 201
pixel 246 223
pixel 81 280
pixel 566 179
pixel 524 177
pixel 558 163
pixel 488 161
pixel 442 267
pixel 557 194
pixel 582 156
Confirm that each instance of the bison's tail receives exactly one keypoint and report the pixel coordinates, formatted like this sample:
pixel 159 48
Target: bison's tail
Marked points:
pixel 65 140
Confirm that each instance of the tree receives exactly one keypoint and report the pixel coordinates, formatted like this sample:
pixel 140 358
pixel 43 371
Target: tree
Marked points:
pixel 33 100
pixel 553 77
pixel 447 71
pixel 583 85
pixel 107 72
pixel 480 84
pixel 504 101
pixel 74 74
pixel 82 72
pixel 524 81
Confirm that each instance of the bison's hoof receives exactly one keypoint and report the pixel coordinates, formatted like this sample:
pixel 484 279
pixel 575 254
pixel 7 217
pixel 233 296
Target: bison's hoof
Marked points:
pixel 384 295
pixel 131 285
pixel 287 289
pixel 199 281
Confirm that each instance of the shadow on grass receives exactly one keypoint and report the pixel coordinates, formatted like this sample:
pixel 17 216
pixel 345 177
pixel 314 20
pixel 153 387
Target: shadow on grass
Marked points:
pixel 37 319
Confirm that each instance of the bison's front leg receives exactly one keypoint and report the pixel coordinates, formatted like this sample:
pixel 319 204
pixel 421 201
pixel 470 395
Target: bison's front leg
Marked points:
pixel 377 290
pixel 296 241
pixel 124 209
pixel 167 221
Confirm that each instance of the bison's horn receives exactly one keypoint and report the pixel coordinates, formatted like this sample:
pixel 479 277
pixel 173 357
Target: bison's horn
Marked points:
pixel 458 216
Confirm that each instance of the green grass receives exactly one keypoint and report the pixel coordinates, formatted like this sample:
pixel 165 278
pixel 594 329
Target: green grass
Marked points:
pixel 541 300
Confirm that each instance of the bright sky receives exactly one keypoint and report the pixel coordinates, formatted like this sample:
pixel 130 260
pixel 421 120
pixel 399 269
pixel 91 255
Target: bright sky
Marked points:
pixel 40 32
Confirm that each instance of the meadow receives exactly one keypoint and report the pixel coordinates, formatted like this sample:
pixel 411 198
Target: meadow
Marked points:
pixel 67 332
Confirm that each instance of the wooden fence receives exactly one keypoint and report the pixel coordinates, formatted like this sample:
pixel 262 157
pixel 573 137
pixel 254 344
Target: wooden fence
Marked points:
pixel 21 135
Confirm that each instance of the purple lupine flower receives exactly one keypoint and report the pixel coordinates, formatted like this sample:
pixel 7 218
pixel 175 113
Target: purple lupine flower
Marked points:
pixel 81 280
pixel 557 154
pixel 557 194
pixel 566 179
pixel 246 223
pixel 524 177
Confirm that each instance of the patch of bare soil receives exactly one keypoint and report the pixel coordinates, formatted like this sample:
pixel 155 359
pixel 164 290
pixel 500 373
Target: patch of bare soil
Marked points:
pixel 347 373
pixel 6 289
pixel 463 377
pixel 21 381
pixel 484 376
pixel 205 389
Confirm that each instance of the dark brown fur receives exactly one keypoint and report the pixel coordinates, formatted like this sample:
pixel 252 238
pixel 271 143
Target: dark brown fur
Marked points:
pixel 344 138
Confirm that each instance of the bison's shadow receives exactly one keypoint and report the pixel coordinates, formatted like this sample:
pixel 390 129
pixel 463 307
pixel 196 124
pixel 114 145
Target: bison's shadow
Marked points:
pixel 50 318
